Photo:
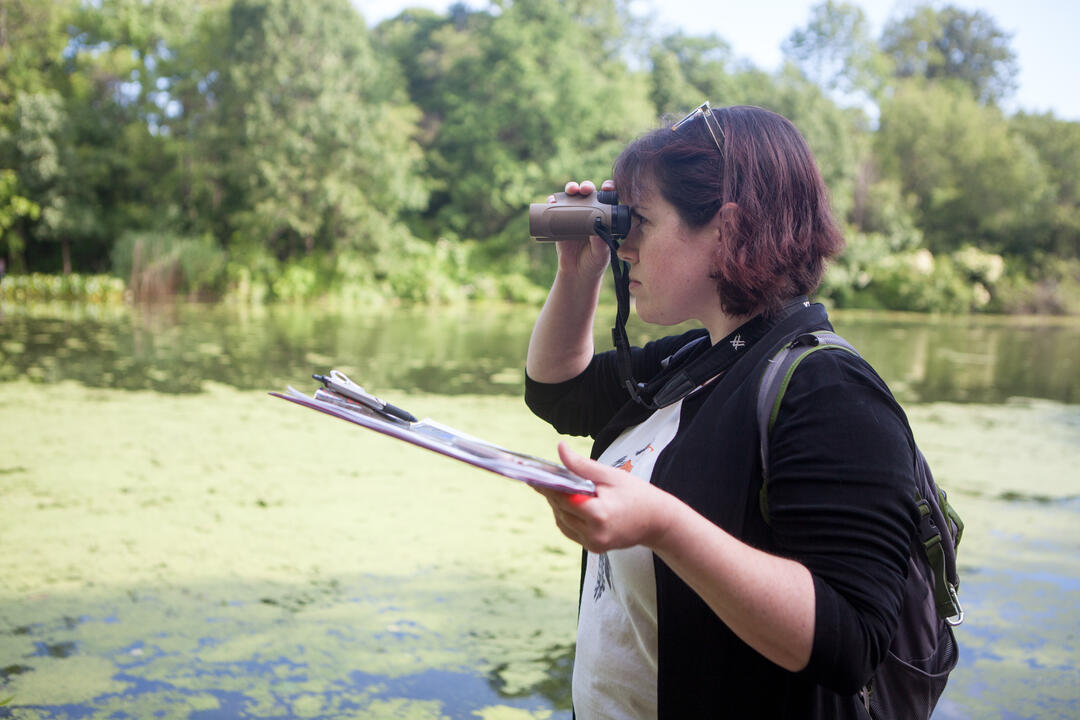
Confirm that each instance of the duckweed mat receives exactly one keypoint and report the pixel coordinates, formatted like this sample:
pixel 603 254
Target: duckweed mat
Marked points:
pixel 224 554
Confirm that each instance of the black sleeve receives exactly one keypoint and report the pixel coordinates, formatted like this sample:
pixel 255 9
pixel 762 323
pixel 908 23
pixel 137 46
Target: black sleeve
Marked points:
pixel 841 502
pixel 585 404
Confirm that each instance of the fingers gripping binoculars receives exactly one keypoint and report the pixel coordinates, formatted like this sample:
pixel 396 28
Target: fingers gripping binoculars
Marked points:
pixel 574 217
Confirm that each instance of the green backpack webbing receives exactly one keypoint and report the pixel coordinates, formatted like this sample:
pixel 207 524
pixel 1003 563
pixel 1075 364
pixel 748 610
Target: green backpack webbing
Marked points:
pixel 923 651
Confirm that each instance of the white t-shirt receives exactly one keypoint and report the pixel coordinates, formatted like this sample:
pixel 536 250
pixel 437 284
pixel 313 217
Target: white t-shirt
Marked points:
pixel 616 661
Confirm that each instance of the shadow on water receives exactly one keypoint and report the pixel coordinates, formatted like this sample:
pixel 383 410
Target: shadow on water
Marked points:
pixel 177 348
pixel 558 664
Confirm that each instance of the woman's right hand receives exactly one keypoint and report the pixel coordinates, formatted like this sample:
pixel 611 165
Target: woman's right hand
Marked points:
pixel 561 345
pixel 587 259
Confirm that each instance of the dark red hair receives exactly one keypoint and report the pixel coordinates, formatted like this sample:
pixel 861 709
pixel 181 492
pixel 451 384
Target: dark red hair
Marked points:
pixel 777 229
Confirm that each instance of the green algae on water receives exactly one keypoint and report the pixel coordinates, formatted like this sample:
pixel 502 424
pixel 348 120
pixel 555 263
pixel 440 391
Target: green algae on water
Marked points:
pixel 192 549
pixel 228 552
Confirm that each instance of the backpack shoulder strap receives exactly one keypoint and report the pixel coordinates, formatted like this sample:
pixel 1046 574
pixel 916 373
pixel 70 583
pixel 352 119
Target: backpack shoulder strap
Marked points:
pixel 774 383
pixel 940 527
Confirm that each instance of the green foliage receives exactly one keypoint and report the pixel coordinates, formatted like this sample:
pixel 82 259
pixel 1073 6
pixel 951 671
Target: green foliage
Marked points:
pixel 13 207
pixel 835 50
pixel 316 145
pixel 40 287
pixel 882 208
pixel 1052 286
pixel 250 272
pixel 873 274
pixel 685 69
pixel 953 44
pixel 267 150
pixel 163 264
pixel 514 103
pixel 32 38
pixel 71 134
pixel 1057 143
pixel 974 181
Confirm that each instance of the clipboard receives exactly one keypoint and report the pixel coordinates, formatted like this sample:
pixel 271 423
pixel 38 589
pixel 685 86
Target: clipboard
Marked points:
pixel 445 440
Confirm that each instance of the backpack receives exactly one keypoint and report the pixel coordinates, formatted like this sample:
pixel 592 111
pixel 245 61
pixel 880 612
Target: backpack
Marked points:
pixel 923 651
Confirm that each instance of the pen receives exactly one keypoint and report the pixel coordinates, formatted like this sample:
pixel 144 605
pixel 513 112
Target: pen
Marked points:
pixel 341 384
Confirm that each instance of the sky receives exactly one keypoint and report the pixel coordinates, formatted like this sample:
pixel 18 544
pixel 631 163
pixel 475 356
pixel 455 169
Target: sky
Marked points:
pixel 1045 36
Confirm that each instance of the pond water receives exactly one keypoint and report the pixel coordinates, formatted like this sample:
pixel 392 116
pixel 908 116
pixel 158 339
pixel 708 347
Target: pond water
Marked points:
pixel 175 543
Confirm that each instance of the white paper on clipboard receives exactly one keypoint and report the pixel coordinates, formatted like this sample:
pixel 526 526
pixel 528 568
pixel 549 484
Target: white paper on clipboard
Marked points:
pixel 448 441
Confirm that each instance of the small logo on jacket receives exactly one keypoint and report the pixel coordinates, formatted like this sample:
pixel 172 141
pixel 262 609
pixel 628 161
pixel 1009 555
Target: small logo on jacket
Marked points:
pixel 737 342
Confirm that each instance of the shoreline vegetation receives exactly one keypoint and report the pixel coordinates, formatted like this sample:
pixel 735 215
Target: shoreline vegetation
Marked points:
pixel 968 281
pixel 264 151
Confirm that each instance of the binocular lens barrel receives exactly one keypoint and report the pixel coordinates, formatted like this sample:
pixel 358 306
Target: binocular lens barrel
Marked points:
pixel 573 217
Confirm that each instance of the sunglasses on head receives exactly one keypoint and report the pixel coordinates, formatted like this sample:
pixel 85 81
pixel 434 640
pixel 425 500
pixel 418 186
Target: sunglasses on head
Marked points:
pixel 711 123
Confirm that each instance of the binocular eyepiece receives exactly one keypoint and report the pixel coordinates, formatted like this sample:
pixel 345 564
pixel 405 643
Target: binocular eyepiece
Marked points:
pixel 576 217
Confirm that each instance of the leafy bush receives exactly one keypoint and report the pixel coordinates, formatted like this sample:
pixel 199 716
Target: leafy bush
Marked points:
pixel 425 272
pixel 1052 286
pixel 249 273
pixel 202 266
pixel 868 275
pixel 919 281
pixel 163 264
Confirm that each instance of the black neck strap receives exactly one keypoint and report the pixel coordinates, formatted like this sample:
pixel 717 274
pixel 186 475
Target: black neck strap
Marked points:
pixel 620 271
pixel 670 388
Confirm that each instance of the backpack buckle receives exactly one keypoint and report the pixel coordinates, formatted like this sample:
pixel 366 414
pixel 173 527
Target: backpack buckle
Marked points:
pixel 958 617
pixel 805 340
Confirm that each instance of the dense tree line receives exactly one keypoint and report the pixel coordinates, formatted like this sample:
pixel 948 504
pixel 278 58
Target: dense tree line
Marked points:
pixel 268 148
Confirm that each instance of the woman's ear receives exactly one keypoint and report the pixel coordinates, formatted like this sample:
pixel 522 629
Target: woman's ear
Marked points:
pixel 725 219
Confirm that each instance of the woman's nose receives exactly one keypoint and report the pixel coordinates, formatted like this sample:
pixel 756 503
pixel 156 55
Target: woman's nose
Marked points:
pixel 628 250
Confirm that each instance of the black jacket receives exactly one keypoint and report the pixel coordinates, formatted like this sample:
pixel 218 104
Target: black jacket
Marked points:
pixel 840 502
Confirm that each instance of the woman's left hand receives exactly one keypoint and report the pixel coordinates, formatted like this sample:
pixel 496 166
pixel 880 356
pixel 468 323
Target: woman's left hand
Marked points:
pixel 767 600
pixel 625 511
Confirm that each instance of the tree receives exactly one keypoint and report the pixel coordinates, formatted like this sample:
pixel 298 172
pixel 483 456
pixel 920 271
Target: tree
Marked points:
pixel 1057 143
pixel 837 52
pixel 687 69
pixel 13 207
pixel 953 45
pixel 77 134
pixel 694 68
pixel 311 145
pixel 974 181
pixel 32 38
pixel 32 41
pixel 669 89
pixel 515 103
pixel 42 152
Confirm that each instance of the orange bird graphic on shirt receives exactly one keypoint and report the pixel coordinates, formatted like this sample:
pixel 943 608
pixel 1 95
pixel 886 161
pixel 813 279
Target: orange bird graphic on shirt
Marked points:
pixel 627 464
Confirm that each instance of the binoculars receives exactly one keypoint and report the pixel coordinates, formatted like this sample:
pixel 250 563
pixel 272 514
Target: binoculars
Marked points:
pixel 576 217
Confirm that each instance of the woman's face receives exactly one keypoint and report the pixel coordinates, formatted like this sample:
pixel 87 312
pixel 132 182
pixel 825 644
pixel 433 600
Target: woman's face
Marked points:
pixel 670 264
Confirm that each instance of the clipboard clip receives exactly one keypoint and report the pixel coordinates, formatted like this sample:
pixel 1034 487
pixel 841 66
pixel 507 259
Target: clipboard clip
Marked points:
pixel 339 383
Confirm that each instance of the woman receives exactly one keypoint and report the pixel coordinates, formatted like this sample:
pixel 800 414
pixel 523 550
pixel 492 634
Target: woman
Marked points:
pixel 692 604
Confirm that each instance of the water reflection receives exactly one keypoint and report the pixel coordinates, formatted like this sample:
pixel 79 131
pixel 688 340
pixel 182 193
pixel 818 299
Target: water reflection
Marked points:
pixel 178 348
pixel 152 600
pixel 970 359
pixel 332 658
